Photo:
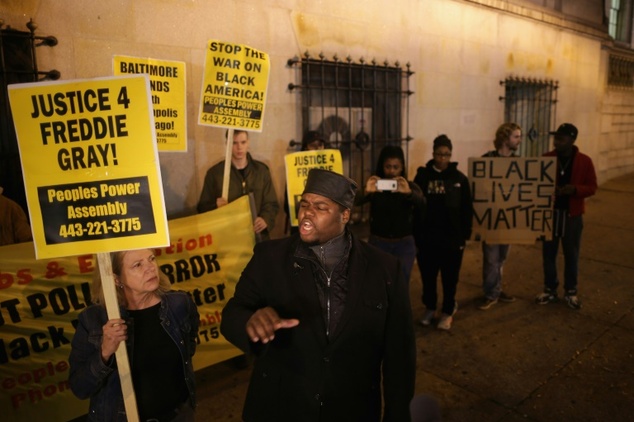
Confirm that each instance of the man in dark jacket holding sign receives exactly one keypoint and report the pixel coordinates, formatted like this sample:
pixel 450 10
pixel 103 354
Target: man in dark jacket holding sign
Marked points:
pixel 327 316
pixel 246 176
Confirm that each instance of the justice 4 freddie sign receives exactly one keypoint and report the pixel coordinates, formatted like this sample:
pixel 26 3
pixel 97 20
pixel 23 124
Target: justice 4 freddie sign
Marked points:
pixel 298 164
pixel 90 165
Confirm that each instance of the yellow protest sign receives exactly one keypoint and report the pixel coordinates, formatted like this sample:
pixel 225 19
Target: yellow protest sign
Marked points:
pixel 234 86
pixel 298 165
pixel 40 301
pixel 206 256
pixel 168 88
pixel 90 164
pixel 512 198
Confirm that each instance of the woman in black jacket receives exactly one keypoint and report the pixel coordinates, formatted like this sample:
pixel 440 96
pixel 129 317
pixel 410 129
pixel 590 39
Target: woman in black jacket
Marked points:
pixel 393 207
pixel 442 230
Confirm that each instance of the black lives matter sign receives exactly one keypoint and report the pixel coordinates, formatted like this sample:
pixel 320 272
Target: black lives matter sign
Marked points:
pixel 512 198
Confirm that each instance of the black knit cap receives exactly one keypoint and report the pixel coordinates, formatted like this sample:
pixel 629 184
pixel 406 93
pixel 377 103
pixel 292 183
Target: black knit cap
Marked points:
pixel 443 141
pixel 332 185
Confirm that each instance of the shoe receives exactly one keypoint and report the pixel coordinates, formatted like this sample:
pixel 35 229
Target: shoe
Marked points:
pixel 546 298
pixel 427 317
pixel 506 298
pixel 487 303
pixel 445 322
pixel 573 302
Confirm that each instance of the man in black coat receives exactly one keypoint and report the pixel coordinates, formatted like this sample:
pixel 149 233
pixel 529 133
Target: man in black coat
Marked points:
pixel 327 316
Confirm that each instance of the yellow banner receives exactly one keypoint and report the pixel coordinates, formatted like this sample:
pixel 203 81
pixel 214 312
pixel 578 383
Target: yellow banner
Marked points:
pixel 234 87
pixel 41 299
pixel 513 198
pixel 297 166
pixel 168 87
pixel 90 165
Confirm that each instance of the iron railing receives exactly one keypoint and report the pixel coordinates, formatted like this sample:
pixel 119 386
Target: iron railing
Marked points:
pixel 18 64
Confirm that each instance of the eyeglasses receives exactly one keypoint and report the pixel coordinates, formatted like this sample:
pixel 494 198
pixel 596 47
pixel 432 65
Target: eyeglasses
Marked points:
pixel 446 154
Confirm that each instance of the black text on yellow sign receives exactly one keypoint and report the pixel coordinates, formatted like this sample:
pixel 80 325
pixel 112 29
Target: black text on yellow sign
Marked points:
pixel 298 165
pixel 73 134
pixel 96 210
pixel 68 128
pixel 168 91
pixel 234 86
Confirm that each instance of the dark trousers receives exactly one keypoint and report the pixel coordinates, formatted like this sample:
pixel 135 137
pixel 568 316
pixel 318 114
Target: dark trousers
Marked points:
pixel 433 259
pixel 403 248
pixel 570 238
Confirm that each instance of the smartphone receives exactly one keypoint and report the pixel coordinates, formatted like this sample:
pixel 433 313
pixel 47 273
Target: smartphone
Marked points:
pixel 386 185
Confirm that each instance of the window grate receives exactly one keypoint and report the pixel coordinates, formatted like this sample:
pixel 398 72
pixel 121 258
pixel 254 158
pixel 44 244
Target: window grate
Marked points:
pixel 620 72
pixel 18 64
pixel 532 104
pixel 358 107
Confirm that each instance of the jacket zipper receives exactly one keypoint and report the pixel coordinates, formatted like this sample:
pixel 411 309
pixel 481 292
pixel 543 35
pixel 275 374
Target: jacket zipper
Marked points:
pixel 328 278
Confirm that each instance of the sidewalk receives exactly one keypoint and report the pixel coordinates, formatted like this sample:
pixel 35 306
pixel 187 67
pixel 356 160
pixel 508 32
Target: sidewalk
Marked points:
pixel 519 361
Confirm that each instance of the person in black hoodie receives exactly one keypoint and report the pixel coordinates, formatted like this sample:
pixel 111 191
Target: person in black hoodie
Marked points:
pixel 442 230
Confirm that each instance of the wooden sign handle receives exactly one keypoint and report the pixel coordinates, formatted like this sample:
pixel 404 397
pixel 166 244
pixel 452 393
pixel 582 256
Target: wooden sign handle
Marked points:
pixel 227 173
pixel 123 364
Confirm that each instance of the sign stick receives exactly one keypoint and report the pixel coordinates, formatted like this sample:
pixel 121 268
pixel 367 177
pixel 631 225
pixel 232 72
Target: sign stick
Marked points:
pixel 123 364
pixel 225 179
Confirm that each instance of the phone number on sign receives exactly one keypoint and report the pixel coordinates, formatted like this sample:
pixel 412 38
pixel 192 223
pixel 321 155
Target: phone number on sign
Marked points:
pixel 98 228
pixel 231 121
pixel 207 335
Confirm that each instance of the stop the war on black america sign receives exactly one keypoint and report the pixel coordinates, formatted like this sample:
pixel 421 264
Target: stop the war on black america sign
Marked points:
pixel 235 81
pixel 512 198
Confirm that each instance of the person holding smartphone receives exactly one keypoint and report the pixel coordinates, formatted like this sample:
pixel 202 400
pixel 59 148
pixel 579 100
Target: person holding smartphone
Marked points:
pixel 393 201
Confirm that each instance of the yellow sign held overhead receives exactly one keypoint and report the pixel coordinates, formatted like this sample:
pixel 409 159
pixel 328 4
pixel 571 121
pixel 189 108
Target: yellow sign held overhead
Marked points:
pixel 168 88
pixel 234 86
pixel 90 165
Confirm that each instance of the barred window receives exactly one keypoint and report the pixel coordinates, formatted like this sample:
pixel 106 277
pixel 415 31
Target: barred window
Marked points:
pixel 532 104
pixel 620 71
pixel 358 107
pixel 18 64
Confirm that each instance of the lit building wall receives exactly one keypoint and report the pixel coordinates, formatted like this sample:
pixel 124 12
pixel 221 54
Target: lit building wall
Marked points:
pixel 460 50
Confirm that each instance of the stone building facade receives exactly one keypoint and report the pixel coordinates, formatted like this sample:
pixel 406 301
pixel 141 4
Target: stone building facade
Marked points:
pixel 460 53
